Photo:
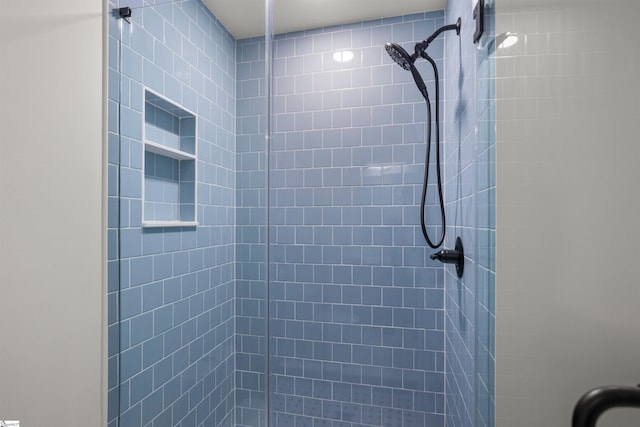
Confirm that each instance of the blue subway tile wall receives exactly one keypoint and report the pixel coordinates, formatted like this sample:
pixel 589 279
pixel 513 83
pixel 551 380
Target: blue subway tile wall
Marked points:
pixel 357 306
pixel 251 236
pixel 171 290
pixel 459 169
pixel 470 205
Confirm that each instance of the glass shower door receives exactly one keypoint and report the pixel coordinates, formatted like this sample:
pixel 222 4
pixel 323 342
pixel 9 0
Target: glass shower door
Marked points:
pixel 252 251
pixel 357 306
pixel 172 235
pixel 484 358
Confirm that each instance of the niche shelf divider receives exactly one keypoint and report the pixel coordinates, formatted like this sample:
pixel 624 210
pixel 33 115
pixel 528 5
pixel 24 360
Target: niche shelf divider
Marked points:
pixel 170 163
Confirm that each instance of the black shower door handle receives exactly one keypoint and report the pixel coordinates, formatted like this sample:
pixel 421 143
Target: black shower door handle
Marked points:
pixel 593 403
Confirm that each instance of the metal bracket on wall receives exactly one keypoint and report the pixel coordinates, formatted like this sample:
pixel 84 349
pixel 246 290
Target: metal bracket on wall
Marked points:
pixel 125 13
pixel 478 16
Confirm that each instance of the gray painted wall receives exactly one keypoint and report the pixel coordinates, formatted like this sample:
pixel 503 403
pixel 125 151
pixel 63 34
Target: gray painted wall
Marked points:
pixel 51 213
pixel 567 208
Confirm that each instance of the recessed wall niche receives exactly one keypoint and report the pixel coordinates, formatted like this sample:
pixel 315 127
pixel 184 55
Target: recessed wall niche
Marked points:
pixel 170 154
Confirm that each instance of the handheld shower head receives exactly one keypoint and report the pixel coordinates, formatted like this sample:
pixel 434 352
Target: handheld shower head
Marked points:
pixel 406 61
pixel 403 59
pixel 401 56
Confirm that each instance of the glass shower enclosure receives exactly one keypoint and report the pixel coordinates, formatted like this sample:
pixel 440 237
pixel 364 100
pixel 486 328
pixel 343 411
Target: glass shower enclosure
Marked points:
pixel 266 264
pixel 172 191
pixel 356 304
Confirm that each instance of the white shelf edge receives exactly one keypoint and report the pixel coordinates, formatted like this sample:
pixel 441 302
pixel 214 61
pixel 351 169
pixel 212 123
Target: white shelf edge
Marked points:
pixel 170 101
pixel 156 148
pixel 152 224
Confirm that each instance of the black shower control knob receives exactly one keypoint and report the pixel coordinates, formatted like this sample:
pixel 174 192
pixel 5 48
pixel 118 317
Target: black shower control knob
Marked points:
pixel 452 256
pixel 447 256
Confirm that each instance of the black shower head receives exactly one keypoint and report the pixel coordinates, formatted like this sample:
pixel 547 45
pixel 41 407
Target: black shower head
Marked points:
pixel 406 61
pixel 398 54
pixel 403 59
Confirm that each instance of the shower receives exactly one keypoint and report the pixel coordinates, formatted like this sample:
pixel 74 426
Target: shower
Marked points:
pixel 406 61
